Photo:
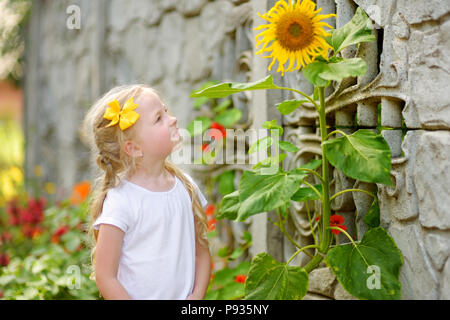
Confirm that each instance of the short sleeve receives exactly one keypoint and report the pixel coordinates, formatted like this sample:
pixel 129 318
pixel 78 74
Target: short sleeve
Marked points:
pixel 114 212
pixel 201 197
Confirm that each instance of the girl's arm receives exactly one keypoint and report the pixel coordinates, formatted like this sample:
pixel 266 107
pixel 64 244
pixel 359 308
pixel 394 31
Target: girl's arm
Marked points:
pixel 107 254
pixel 202 272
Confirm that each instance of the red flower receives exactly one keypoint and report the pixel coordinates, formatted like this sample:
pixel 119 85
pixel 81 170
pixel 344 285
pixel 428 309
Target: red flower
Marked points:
pixel 27 230
pixel 4 259
pixel 212 224
pixel 6 236
pixel 58 233
pixel 219 132
pixel 240 278
pixel 337 221
pixel 210 208
pixel 205 147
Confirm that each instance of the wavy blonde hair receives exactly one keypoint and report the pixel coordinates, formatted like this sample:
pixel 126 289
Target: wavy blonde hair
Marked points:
pixel 108 155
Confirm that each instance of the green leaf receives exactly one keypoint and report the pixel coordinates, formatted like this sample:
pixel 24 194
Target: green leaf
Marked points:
pixel 269 279
pixel 312 73
pixel 264 165
pixel 273 125
pixel 236 253
pixel 287 146
pixel 371 269
pixel 372 217
pixel 205 124
pixel 358 29
pixel 223 252
pixel 247 236
pixel 363 155
pixel 198 102
pixel 222 90
pixel 321 73
pixel 340 70
pixel 229 117
pixel 304 194
pixel 262 193
pixel 222 106
pixel 288 106
pixel 229 206
pixel 262 143
pixel 226 182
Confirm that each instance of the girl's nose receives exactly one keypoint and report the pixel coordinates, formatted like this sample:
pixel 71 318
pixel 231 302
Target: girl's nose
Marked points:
pixel 174 120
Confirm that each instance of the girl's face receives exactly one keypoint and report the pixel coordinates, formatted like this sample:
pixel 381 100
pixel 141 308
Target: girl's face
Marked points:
pixel 156 130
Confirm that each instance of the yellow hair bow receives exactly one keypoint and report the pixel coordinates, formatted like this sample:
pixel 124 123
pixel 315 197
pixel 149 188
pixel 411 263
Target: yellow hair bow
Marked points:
pixel 126 117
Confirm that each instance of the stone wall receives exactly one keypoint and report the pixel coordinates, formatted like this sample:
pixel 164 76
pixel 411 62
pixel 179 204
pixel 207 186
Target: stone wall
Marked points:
pixel 407 78
pixel 176 45
pixel 173 46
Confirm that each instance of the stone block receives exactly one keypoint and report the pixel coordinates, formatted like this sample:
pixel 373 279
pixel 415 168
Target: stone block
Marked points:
pixel 322 281
pixel 419 280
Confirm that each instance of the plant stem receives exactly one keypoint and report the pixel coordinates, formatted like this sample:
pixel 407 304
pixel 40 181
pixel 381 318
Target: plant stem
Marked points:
pixel 347 190
pixel 313 188
pixel 288 236
pixel 336 131
pixel 311 171
pixel 300 250
pixel 326 210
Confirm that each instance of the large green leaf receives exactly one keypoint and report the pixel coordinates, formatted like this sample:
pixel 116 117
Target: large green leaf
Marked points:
pixel 319 73
pixel 225 89
pixel 262 193
pixel 342 69
pixel 269 279
pixel 369 270
pixel 229 206
pixel 358 29
pixel 363 155
pixel 312 73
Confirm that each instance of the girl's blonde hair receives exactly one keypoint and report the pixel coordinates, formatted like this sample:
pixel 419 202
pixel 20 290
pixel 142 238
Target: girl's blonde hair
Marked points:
pixel 106 146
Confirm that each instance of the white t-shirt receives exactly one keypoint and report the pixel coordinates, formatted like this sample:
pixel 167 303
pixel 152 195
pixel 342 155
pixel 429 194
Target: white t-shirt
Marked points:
pixel 158 251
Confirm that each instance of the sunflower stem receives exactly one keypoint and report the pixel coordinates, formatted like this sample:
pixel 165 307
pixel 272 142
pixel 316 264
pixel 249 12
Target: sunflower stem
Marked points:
pixel 326 210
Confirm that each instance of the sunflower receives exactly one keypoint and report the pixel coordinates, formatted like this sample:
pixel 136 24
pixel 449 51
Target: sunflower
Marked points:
pixel 295 32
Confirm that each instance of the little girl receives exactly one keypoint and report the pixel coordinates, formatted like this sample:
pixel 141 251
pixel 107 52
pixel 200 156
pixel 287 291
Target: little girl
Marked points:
pixel 148 218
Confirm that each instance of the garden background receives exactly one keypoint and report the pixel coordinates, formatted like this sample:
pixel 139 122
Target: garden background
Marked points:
pixel 53 66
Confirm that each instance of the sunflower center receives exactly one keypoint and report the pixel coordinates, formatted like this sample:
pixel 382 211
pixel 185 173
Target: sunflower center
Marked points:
pixel 294 31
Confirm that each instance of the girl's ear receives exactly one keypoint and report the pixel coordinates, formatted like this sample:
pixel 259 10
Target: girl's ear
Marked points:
pixel 132 149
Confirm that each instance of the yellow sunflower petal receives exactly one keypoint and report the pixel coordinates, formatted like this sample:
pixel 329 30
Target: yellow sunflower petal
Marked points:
pixel 295 33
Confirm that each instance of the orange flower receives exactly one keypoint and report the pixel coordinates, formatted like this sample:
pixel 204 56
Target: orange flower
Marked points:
pixel 210 208
pixel 240 278
pixel 212 224
pixel 80 192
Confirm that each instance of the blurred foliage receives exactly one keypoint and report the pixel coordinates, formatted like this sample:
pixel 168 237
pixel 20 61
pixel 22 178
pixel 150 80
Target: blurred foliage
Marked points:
pixel 14 15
